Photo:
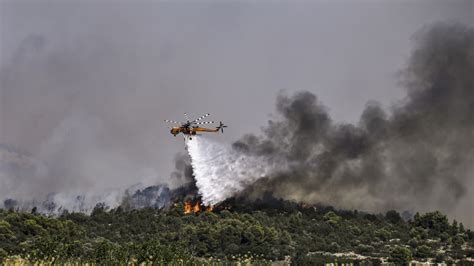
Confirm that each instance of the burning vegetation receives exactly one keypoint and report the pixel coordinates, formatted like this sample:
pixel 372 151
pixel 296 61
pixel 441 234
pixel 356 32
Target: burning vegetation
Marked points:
pixel 190 207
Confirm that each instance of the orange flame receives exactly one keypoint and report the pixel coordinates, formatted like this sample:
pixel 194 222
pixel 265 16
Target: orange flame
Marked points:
pixel 188 207
pixel 197 207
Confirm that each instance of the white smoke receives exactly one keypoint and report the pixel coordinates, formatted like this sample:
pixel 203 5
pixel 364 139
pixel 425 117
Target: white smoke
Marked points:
pixel 72 170
pixel 84 202
pixel 220 171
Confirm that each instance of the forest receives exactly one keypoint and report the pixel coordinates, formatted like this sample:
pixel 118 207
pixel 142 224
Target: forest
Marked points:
pixel 258 232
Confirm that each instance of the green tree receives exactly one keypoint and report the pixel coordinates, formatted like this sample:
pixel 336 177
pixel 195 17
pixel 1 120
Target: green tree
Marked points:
pixel 254 235
pixel 454 227
pixel 364 249
pixel 334 247
pixel 5 231
pixel 383 234
pixel 3 255
pixel 400 255
pixel 104 252
pixel 413 242
pixel 73 251
pixel 458 241
pixel 32 227
pixel 423 252
pixel 440 257
pixel 43 248
pixel 461 228
pixel 332 218
pixel 393 217
pixel 435 222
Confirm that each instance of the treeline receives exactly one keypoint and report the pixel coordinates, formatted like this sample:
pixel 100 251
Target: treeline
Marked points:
pixel 304 235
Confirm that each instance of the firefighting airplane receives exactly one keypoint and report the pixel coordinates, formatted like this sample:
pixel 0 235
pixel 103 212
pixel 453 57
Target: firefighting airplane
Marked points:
pixel 191 128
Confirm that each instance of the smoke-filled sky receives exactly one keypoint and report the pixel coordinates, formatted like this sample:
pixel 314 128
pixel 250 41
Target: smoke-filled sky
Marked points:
pixel 85 86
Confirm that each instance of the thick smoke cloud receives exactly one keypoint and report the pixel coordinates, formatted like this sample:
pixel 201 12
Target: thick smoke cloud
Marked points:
pixel 419 157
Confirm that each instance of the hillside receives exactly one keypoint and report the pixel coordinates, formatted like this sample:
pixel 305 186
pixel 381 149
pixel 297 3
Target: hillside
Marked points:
pixel 261 232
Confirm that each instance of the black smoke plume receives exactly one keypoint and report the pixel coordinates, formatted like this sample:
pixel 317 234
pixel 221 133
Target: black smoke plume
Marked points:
pixel 420 156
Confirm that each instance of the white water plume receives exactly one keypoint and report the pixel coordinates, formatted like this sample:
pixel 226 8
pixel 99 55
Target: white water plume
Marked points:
pixel 220 171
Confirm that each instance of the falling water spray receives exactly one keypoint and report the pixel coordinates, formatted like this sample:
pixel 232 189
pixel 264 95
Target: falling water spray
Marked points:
pixel 221 172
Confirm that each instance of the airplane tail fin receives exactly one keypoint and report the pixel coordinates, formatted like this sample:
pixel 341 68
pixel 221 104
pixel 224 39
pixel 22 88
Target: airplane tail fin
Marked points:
pixel 221 127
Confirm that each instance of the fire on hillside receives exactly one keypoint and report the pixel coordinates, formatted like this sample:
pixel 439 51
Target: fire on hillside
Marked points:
pixel 197 207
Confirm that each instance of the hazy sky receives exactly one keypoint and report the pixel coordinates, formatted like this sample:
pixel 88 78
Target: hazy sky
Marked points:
pixel 86 85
